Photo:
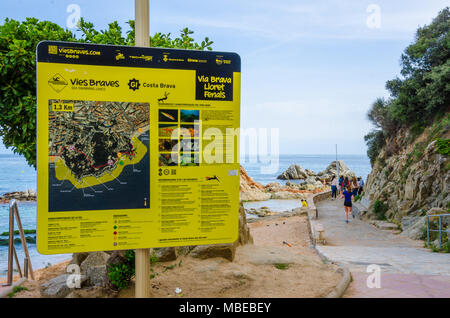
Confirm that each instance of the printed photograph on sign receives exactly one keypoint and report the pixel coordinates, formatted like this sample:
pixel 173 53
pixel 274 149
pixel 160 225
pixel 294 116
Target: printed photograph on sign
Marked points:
pixel 98 155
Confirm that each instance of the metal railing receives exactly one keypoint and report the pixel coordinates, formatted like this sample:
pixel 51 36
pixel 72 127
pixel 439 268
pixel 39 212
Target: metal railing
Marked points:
pixel 440 230
pixel 12 253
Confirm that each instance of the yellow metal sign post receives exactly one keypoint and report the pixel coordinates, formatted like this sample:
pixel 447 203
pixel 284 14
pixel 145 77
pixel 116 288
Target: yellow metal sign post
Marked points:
pixel 137 147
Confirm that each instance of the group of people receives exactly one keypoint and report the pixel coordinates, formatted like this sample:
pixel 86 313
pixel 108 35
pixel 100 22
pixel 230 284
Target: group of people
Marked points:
pixel 348 189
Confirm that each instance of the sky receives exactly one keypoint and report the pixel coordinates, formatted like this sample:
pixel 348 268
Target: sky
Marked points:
pixel 309 68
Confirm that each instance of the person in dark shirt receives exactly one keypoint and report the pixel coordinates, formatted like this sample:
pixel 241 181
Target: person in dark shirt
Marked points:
pixel 347 195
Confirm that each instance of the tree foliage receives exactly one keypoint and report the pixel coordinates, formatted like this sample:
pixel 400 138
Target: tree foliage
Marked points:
pixel 18 41
pixel 422 93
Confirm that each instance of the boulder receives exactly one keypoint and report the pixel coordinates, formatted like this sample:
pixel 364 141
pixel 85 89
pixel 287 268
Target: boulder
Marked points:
pixel 58 287
pixel 330 171
pixel 97 275
pixel 94 259
pixel 226 251
pixel 166 254
pixel 294 172
pixel 78 258
pixel 413 226
pixel 116 257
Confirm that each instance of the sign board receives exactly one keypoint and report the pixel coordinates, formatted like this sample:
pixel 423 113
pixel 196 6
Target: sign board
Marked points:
pixel 136 147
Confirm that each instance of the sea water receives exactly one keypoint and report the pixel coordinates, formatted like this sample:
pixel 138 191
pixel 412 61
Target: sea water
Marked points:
pixel 16 175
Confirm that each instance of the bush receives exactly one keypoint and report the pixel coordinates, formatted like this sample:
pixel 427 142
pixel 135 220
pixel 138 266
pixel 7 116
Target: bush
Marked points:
pixel 121 274
pixel 443 146
pixel 375 142
pixel 380 209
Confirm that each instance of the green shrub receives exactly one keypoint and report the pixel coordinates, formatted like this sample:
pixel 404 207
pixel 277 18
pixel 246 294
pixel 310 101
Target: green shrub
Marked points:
pixel 120 274
pixel 443 146
pixel 380 209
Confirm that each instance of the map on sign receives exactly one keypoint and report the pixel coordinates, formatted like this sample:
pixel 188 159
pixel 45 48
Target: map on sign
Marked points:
pixel 98 150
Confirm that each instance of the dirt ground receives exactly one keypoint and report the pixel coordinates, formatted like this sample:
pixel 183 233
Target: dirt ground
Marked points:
pixel 267 268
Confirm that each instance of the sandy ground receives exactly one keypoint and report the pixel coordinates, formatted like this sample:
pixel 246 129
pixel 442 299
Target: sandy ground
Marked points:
pixel 253 273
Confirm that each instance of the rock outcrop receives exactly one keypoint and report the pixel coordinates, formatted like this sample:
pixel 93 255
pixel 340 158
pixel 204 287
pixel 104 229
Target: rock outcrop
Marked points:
pixel 411 179
pixel 249 189
pixel 28 195
pixel 294 172
pixel 331 171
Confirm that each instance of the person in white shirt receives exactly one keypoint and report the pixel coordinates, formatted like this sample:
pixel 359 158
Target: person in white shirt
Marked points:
pixel 361 185
pixel 333 188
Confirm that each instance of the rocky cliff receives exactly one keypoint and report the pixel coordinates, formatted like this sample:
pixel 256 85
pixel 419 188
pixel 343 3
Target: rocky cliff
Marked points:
pixel 410 179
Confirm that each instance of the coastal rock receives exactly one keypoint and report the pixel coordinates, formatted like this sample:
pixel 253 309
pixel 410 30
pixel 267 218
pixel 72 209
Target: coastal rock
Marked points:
pixel 116 257
pixel 97 275
pixel 226 251
pixel 58 287
pixel 94 259
pixel 78 258
pixel 166 254
pixel 294 172
pixel 287 195
pixel 249 189
pixel 411 181
pixel 27 195
pixel 331 171
pixel 413 227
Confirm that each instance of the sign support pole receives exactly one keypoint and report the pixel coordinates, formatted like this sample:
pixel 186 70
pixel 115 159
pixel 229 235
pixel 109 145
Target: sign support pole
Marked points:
pixel 142 30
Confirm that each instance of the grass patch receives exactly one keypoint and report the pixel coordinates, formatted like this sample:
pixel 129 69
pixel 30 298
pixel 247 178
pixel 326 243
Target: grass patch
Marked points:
pixel 16 289
pixel 281 266
pixel 380 208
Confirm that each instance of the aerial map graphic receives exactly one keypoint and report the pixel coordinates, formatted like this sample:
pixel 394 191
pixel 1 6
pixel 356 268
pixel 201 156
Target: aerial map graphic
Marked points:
pixel 98 155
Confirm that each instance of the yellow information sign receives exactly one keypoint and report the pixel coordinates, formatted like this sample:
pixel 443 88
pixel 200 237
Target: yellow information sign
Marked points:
pixel 136 148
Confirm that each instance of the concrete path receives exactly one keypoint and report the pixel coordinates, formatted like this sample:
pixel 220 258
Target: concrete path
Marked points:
pixel 407 269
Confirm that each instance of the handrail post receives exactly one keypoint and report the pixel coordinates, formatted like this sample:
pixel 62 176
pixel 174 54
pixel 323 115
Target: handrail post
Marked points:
pixel 11 243
pixel 428 231
pixel 440 232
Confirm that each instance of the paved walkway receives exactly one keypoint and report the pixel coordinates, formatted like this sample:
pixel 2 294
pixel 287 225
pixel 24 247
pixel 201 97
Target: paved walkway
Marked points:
pixel 407 269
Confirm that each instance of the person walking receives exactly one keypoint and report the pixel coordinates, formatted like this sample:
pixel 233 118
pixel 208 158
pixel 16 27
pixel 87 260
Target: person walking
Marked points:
pixel 347 195
pixel 361 185
pixel 341 180
pixel 333 188
pixel 355 186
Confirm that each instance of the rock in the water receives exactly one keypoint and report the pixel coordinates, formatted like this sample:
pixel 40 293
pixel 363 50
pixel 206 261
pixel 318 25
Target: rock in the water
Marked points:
pixel 58 287
pixel 97 275
pixel 94 259
pixel 166 254
pixel 226 251
pixel 294 172
pixel 331 171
